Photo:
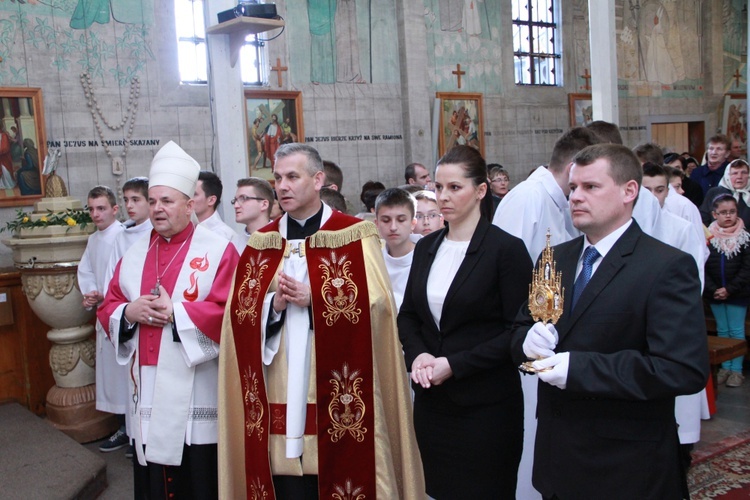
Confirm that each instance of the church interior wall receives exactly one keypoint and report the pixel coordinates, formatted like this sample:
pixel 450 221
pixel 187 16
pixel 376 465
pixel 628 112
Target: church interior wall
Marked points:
pixel 373 127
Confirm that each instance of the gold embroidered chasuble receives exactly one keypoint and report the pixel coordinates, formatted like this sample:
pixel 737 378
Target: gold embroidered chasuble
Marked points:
pixel 366 417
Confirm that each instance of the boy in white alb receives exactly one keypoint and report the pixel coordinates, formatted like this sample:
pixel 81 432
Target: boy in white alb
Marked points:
pixel 678 232
pixel 93 281
pixel 138 225
pixel 395 211
pixel 135 196
pixel 206 200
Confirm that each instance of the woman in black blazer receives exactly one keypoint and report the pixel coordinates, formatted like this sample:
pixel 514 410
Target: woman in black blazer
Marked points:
pixel 466 285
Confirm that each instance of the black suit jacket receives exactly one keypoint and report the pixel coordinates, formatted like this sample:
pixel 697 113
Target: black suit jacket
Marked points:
pixel 474 332
pixel 636 340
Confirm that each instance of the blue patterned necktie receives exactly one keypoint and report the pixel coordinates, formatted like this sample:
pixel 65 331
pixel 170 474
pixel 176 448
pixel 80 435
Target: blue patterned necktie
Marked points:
pixel 587 269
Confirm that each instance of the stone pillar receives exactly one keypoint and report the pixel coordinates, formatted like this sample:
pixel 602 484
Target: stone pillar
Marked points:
pixel 603 43
pixel 228 97
pixel 415 86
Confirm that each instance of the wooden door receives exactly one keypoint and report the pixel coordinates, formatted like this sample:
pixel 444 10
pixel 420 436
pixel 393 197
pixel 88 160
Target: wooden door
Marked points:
pixel 671 136
pixel 680 137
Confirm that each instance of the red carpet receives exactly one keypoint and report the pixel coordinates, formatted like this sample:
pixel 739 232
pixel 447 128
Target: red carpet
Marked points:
pixel 724 474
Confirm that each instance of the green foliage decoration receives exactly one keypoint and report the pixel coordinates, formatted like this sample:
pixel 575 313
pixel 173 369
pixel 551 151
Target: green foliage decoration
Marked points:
pixel 70 218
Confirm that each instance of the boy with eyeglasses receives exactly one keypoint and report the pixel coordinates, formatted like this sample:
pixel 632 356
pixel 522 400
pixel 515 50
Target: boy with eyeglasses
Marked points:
pixel 252 203
pixel 429 218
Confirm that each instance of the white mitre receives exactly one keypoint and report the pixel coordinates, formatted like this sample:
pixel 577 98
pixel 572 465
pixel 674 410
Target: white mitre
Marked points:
pixel 173 167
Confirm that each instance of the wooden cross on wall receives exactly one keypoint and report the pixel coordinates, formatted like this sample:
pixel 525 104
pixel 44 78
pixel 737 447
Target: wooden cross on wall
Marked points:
pixel 278 69
pixel 737 77
pixel 586 76
pixel 458 73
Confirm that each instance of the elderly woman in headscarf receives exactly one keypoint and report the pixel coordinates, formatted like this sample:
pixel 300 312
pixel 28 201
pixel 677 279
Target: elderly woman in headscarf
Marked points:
pixel 28 177
pixel 734 182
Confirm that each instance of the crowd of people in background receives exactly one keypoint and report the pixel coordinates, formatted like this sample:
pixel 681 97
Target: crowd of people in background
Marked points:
pixel 268 359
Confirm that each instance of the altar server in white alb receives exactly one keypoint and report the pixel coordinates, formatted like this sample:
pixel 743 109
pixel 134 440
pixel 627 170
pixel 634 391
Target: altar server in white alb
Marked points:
pixel 207 199
pixel 138 225
pixel 395 217
pixel 111 378
pixel 679 233
pixel 163 313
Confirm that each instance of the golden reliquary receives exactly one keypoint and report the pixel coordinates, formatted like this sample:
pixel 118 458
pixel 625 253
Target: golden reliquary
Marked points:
pixel 546 294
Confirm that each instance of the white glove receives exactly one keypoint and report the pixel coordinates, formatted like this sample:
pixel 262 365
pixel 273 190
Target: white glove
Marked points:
pixel 540 341
pixel 558 375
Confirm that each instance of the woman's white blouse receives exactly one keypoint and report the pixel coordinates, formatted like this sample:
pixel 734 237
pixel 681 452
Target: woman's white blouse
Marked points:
pixel 448 259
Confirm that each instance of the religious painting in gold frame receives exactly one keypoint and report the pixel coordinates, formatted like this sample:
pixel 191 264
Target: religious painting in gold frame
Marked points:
pixel 461 121
pixel 23 146
pixel 581 109
pixel 272 118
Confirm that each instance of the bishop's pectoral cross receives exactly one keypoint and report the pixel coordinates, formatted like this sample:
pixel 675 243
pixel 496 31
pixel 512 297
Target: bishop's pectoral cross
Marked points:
pixel 155 290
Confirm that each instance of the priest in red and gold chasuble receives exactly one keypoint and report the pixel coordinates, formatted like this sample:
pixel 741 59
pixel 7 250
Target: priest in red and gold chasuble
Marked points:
pixel 358 435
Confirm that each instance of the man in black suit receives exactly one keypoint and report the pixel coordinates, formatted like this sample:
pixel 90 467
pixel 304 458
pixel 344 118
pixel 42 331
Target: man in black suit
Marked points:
pixel 630 339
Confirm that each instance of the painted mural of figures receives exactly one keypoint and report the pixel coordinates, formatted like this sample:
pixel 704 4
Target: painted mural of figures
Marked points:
pixel 347 43
pixel 659 65
pixel 460 15
pixel 29 181
pixel 320 17
pixel 472 25
pixel 88 12
pixel 451 15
